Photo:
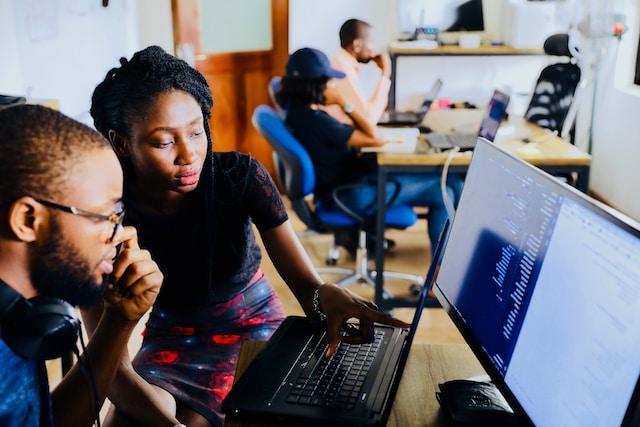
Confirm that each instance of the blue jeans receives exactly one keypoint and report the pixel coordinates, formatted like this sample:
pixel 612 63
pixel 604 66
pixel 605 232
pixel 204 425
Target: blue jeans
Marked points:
pixel 416 189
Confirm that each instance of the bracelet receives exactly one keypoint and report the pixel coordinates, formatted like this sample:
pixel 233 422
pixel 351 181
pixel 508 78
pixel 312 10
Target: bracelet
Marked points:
pixel 316 305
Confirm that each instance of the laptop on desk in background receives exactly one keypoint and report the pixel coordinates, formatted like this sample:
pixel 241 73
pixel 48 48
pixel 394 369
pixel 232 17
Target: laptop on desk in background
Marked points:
pixel 412 118
pixel 496 111
pixel 290 379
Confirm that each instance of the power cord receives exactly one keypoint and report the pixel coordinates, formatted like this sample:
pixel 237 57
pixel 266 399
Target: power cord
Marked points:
pixel 448 203
pixel 84 364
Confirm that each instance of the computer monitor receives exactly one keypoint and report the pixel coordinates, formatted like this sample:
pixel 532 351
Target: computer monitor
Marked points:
pixel 445 15
pixel 496 111
pixel 544 284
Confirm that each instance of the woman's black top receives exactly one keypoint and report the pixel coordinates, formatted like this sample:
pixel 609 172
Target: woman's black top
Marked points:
pixel 326 141
pixel 244 193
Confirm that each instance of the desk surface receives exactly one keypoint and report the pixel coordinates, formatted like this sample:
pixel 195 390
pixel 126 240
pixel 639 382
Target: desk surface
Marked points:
pixel 544 149
pixel 415 403
pixel 463 51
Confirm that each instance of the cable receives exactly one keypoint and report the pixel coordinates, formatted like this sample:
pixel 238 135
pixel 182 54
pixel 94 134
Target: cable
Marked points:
pixel 448 204
pixel 84 364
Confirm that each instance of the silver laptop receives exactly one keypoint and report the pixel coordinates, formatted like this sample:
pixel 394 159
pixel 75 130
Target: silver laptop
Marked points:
pixel 412 118
pixel 496 111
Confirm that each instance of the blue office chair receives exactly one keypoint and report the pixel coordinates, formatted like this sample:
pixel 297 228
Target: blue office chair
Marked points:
pixel 275 84
pixel 296 175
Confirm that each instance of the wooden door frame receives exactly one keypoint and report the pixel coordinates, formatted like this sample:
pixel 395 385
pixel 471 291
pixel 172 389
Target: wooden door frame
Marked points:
pixel 236 66
pixel 189 11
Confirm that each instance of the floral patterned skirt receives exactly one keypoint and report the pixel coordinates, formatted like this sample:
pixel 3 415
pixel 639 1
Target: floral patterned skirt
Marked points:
pixel 194 356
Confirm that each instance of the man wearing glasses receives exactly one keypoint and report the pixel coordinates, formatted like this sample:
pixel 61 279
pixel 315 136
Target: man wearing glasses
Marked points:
pixel 61 236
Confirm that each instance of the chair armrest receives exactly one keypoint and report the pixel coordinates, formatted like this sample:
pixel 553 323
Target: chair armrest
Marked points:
pixel 344 208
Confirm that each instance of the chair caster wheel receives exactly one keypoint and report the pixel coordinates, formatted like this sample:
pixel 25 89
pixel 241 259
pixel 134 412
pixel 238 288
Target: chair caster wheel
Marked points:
pixel 331 261
pixel 415 289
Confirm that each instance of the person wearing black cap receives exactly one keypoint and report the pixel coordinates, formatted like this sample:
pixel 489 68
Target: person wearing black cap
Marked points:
pixel 334 146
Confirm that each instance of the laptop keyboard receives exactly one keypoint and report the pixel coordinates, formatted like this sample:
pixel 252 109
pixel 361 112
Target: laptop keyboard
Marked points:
pixel 336 382
pixel 440 140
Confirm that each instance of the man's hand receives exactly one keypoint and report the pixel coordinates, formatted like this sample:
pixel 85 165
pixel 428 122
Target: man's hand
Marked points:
pixel 383 61
pixel 333 96
pixel 136 278
pixel 340 305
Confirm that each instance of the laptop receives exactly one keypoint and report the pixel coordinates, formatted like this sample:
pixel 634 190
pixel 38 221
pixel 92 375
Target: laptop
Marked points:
pixel 291 380
pixel 496 111
pixel 412 118
pixel 544 284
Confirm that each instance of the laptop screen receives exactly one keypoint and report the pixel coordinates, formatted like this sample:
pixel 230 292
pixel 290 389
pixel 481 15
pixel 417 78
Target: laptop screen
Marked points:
pixel 496 111
pixel 431 96
pixel 545 286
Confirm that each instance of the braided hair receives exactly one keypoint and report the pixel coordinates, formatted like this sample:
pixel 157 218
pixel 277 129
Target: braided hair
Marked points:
pixel 129 90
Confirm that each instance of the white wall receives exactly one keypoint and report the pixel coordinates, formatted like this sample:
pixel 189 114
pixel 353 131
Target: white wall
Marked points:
pixel 60 49
pixel 11 81
pixel 616 139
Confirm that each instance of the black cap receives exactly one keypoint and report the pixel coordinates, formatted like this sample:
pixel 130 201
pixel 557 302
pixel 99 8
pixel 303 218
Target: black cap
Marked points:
pixel 309 63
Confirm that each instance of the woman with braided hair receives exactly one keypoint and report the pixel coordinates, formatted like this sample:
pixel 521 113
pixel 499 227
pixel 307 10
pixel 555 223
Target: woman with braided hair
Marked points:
pixel 194 211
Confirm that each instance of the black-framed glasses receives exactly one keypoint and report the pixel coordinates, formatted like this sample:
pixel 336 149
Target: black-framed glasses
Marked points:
pixel 115 217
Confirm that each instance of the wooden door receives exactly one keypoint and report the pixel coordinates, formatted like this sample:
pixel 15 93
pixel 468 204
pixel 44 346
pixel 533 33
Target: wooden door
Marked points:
pixel 238 79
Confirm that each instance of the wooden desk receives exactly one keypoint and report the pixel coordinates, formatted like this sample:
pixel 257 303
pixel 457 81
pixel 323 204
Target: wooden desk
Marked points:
pixel 547 151
pixel 415 403
pixel 396 52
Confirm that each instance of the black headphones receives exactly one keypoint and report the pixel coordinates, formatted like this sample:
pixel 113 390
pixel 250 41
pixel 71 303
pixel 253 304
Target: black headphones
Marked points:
pixel 40 328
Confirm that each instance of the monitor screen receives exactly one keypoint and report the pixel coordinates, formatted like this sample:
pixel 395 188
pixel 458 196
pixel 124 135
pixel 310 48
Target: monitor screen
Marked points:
pixel 545 286
pixel 494 115
pixel 445 15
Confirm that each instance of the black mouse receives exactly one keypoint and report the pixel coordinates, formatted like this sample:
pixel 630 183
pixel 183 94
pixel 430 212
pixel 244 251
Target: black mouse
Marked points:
pixel 425 129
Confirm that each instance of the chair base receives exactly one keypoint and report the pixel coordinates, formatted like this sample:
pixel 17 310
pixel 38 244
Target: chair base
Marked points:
pixel 362 274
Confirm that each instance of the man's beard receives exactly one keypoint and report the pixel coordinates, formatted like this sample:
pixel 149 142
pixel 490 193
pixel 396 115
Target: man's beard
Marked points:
pixel 59 271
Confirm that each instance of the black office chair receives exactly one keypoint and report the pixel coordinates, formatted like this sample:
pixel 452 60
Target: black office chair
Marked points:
pixel 555 88
pixel 297 177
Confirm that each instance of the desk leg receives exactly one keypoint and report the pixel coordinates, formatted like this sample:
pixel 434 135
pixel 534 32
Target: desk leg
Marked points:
pixel 392 89
pixel 582 181
pixel 67 362
pixel 382 184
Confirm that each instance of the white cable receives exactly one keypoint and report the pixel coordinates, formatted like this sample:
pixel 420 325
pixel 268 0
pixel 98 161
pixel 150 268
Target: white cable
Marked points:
pixel 448 203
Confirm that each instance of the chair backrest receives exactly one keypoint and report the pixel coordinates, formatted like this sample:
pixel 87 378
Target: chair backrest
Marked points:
pixel 555 88
pixel 293 165
pixel 553 95
pixel 274 87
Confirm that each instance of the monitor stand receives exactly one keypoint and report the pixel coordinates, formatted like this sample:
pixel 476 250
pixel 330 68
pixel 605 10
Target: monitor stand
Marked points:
pixel 476 403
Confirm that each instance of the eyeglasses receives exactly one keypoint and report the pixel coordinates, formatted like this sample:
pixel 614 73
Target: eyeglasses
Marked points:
pixel 115 217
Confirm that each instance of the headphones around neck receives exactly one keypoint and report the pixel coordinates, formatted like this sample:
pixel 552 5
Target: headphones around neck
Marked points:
pixel 39 328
